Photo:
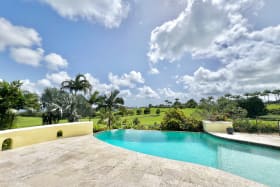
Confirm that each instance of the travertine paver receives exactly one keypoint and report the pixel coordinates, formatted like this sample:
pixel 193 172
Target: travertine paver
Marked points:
pixel 265 139
pixel 86 161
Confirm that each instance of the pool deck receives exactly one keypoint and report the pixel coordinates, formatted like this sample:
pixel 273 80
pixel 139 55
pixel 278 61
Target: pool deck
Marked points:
pixel 263 139
pixel 87 161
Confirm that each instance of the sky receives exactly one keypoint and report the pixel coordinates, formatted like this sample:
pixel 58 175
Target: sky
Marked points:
pixel 150 50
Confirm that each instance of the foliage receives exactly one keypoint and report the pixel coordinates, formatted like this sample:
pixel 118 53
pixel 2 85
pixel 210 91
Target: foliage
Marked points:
pixel 136 121
pixel 191 104
pixel 97 128
pixel 31 101
pixel 109 103
pixel 147 110
pixel 158 111
pixel 11 98
pixel 254 106
pixel 175 119
pixel 80 83
pixel 53 103
pixel 139 111
pixel 251 126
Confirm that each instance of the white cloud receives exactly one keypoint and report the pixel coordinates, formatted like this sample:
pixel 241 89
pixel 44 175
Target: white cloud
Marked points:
pixel 17 36
pixel 147 92
pixel 58 78
pixel 197 29
pixel 108 12
pixel 27 56
pixel 125 93
pixel 97 85
pixel 169 93
pixel 55 61
pixel 126 80
pixel 36 87
pixel 154 71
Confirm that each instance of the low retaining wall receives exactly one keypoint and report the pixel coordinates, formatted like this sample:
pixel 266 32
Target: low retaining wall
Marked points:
pixel 32 135
pixel 216 126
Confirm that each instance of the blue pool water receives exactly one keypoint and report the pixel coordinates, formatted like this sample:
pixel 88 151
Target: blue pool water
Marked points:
pixel 258 163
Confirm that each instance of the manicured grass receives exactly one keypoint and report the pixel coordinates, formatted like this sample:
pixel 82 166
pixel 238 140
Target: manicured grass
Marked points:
pixel 151 119
pixel 273 106
pixel 22 122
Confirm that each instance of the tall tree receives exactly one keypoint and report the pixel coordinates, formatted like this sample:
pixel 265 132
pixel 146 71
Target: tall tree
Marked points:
pixel 109 103
pixel 11 97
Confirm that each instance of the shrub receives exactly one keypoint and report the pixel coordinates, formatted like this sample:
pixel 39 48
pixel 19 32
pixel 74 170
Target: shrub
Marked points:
pixel 175 119
pixel 147 111
pixel 136 121
pixel 97 128
pixel 158 111
pixel 245 125
pixel 139 111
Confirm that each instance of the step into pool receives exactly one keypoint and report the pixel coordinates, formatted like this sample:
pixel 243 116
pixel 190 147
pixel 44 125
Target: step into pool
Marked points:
pixel 258 163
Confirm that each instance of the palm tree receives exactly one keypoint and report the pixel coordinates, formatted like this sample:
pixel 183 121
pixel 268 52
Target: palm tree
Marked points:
pixel 109 103
pixel 80 83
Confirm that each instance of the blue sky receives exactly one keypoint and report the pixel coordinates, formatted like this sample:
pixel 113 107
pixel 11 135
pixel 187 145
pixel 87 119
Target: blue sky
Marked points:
pixel 150 50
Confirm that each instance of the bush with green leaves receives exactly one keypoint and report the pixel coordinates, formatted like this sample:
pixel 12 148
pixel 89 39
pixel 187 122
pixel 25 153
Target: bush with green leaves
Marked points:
pixel 253 126
pixel 136 121
pixel 139 111
pixel 175 119
pixel 158 111
pixel 147 111
pixel 11 98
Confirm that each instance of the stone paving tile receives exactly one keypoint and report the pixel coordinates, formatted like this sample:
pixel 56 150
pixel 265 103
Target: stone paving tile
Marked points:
pixel 86 161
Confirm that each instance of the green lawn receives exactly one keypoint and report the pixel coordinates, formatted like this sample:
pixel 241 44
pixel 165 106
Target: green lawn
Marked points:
pixel 22 122
pixel 148 119
pixel 273 106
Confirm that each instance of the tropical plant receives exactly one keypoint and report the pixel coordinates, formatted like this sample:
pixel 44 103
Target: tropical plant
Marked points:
pixel 11 99
pixel 80 83
pixel 191 104
pixel 54 105
pixel 109 103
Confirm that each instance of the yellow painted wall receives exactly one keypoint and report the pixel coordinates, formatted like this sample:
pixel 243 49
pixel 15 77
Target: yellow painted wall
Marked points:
pixel 216 126
pixel 32 135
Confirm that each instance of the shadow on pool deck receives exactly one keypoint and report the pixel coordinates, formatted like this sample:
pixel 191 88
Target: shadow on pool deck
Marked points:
pixel 86 161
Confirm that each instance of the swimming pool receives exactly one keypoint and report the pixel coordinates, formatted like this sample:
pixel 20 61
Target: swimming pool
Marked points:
pixel 258 163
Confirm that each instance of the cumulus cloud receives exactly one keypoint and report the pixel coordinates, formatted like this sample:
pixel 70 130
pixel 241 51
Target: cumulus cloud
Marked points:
pixel 220 30
pixel 126 80
pixel 110 13
pixel 17 36
pixel 147 92
pixel 55 61
pixel 35 87
pixel 97 85
pixel 252 65
pixel 27 56
pixel 170 94
pixel 58 78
